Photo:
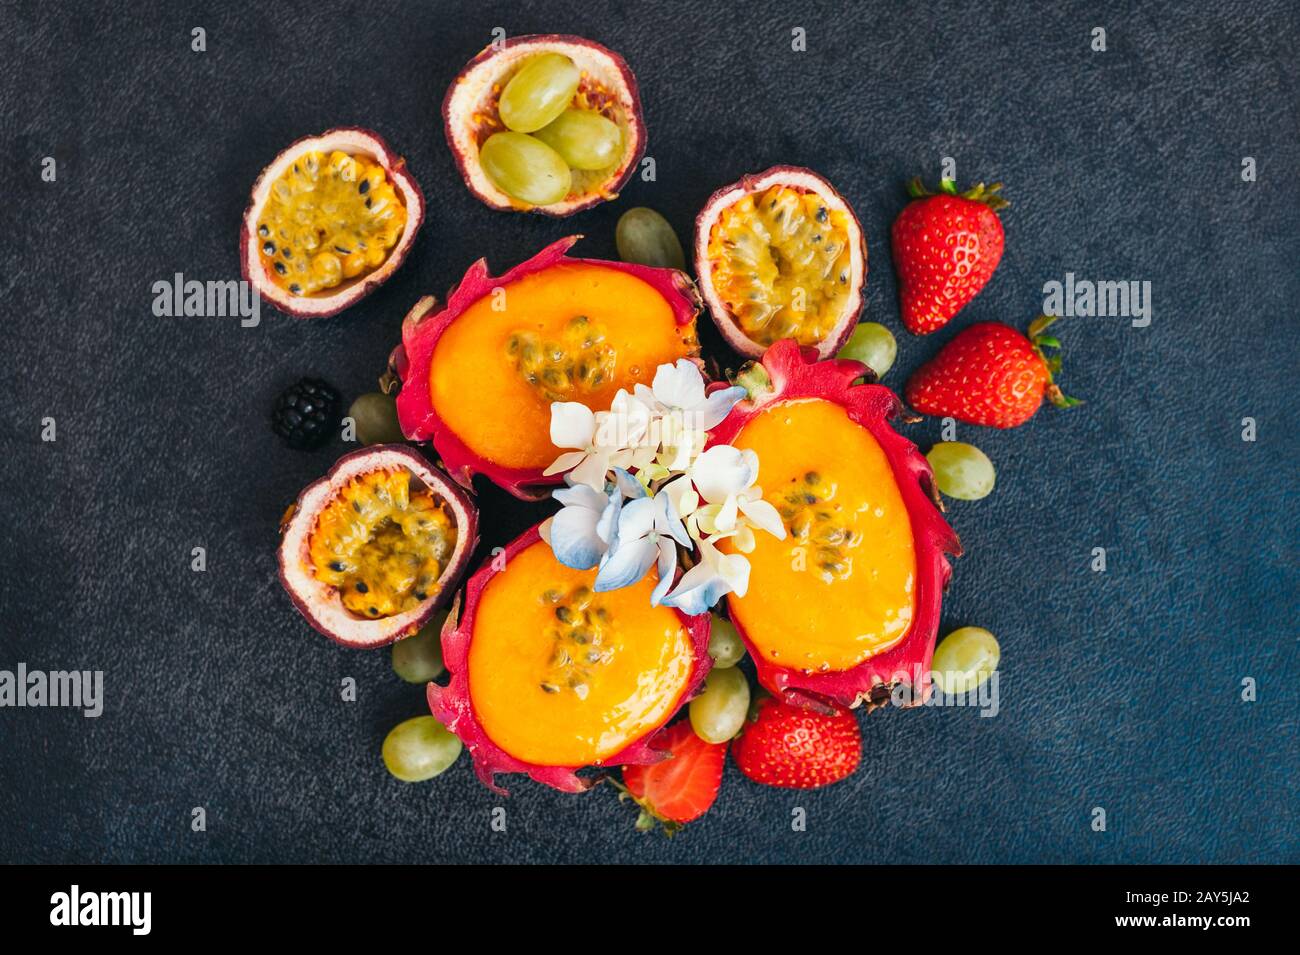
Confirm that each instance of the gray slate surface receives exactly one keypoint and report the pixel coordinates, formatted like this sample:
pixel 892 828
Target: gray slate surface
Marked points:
pixel 1120 690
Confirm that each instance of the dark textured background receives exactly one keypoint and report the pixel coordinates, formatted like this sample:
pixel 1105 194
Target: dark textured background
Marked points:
pixel 1120 690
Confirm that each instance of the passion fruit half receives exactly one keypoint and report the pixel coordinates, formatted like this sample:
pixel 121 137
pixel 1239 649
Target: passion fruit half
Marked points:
pixel 479 376
pixel 780 254
pixel 548 676
pixel 546 123
pixel 847 605
pixel 372 549
pixel 330 219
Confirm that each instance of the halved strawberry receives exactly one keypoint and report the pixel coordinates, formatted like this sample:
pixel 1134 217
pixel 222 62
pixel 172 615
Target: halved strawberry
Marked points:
pixel 795 748
pixel 681 787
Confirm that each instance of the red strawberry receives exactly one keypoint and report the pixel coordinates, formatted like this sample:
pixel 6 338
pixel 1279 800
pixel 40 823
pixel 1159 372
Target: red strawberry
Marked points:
pixel 946 247
pixel 680 788
pixel 795 748
pixel 990 374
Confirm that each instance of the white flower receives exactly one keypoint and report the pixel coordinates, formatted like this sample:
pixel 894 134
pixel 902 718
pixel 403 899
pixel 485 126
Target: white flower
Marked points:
pixel 603 440
pixel 614 520
pixel 626 427
pixel 573 425
pixel 685 412
pixel 724 477
pixel 680 387
pixel 715 575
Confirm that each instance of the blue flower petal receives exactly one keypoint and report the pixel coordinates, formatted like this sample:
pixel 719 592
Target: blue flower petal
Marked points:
pixel 716 407
pixel 698 590
pixel 579 496
pixel 666 565
pixel 629 485
pixel 699 599
pixel 637 519
pixel 626 565
pixel 607 524
pixel 574 539
pixel 667 521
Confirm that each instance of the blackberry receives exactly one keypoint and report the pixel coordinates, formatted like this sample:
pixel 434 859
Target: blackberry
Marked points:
pixel 306 414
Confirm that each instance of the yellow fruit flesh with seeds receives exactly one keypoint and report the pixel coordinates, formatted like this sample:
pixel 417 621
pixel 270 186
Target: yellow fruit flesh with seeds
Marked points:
pixel 841 587
pixel 330 218
pixel 562 676
pixel 382 544
pixel 780 262
pixel 481 390
pixel 576 361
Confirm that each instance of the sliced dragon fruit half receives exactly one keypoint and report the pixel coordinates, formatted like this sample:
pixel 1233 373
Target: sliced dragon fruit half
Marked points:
pixel 480 374
pixel 549 676
pixel 847 605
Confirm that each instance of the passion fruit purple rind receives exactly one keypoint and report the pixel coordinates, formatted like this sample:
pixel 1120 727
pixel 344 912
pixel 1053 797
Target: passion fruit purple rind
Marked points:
pixel 781 254
pixel 607 86
pixel 371 550
pixel 454 707
pixel 336 258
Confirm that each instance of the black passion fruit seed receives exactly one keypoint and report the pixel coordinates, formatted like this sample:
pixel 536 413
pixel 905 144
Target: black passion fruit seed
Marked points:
pixel 374 416
pixel 577 360
pixel 582 639
pixel 644 237
pixel 817 521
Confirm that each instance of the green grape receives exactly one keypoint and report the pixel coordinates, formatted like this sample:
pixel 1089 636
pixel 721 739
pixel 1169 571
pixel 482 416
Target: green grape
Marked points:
pixel 872 344
pixel 419 749
pixel 644 236
pixel 539 92
pixel 961 470
pixel 526 168
pixel 965 659
pixel 719 712
pixel 375 419
pixel 418 659
pixel 585 139
pixel 725 645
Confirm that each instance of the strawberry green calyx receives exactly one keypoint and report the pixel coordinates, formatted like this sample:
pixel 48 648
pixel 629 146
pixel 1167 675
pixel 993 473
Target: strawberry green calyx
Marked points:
pixel 647 819
pixel 988 195
pixel 1052 360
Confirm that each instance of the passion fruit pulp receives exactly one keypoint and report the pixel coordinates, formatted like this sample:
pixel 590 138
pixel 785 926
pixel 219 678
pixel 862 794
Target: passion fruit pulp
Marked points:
pixel 548 676
pixel 546 123
pixel 551 329
pixel 330 219
pixel 848 603
pixel 780 254
pixel 370 551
